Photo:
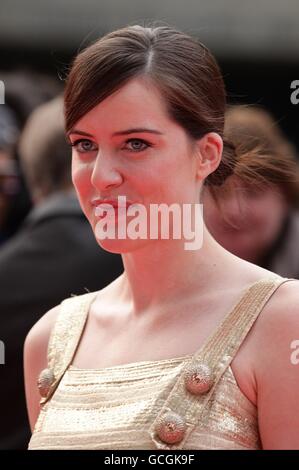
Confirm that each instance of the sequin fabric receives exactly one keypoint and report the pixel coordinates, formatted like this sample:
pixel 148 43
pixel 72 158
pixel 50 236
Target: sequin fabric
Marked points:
pixel 122 407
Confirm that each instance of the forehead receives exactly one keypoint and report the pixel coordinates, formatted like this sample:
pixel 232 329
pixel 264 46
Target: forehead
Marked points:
pixel 137 103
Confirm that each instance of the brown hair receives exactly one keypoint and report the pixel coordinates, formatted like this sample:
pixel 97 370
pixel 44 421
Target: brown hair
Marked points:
pixel 183 70
pixel 44 153
pixel 263 155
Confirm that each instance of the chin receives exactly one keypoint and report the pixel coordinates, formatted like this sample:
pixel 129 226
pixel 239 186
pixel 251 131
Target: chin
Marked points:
pixel 121 246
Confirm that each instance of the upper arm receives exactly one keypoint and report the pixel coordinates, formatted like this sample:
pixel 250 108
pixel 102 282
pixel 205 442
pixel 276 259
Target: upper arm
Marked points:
pixel 35 360
pixel 277 372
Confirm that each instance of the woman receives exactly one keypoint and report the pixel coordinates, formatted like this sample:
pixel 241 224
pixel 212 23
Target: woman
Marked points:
pixel 258 220
pixel 169 355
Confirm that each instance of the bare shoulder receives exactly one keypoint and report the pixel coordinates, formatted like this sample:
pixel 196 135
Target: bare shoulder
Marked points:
pixel 280 317
pixel 36 355
pixel 274 328
pixel 38 337
pixel 35 359
pixel 277 376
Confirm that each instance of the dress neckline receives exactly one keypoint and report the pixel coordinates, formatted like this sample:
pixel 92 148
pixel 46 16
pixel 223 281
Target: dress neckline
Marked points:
pixel 135 364
pixel 184 358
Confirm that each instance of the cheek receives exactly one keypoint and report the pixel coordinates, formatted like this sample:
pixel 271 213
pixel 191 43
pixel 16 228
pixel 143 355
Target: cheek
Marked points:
pixel 266 220
pixel 81 180
pixel 262 212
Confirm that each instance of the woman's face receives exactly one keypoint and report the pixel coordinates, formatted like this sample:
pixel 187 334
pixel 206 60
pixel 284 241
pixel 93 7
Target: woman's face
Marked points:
pixel 128 146
pixel 250 219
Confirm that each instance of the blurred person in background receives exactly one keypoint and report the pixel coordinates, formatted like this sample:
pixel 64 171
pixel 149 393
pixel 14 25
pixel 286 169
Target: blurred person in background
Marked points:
pixel 24 90
pixel 258 220
pixel 9 175
pixel 53 255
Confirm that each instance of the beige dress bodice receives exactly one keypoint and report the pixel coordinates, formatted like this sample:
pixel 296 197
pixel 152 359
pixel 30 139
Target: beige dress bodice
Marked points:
pixel 190 402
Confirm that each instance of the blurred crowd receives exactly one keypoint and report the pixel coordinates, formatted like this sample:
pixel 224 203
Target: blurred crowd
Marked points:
pixel 258 221
pixel 47 249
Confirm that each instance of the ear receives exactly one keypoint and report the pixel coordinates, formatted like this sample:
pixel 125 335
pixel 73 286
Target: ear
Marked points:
pixel 209 153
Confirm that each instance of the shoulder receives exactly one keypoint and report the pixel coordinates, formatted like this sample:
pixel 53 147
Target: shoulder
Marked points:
pixel 39 335
pixel 36 359
pixel 276 371
pixel 37 340
pixel 280 316
pixel 49 333
pixel 11 251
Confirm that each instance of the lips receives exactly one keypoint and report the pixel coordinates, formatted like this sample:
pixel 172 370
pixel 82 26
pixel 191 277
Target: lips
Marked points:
pixel 108 207
pixel 102 210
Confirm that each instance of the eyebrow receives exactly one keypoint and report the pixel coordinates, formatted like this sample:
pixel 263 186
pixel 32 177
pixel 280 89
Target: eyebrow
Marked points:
pixel 77 131
pixel 134 130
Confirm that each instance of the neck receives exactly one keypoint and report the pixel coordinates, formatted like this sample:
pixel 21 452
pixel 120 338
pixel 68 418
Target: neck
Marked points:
pixel 163 272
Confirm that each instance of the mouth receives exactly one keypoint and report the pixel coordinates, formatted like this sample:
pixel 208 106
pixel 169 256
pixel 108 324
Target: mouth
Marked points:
pixel 111 208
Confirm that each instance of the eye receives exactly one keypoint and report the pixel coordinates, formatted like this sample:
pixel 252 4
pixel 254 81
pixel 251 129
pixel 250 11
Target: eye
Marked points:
pixel 137 145
pixel 84 145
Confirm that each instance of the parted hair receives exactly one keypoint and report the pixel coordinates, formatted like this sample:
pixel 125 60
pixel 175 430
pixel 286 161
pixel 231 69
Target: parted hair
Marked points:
pixel 179 66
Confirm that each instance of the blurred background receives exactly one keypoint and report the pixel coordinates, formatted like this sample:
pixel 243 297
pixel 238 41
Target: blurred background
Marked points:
pixel 257 46
pixel 255 42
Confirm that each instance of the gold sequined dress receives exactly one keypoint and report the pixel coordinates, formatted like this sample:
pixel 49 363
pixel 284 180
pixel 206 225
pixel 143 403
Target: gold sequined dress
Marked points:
pixel 190 402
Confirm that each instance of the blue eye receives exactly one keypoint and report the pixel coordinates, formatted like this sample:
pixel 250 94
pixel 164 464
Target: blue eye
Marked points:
pixel 138 145
pixel 87 146
pixel 84 146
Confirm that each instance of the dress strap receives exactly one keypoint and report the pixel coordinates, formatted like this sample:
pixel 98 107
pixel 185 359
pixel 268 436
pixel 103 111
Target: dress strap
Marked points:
pixel 184 407
pixel 65 337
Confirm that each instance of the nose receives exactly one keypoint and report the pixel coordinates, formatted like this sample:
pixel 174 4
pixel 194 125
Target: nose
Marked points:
pixel 104 173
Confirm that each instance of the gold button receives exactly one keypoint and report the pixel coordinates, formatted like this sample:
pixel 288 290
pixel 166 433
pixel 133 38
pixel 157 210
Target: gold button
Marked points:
pixel 198 379
pixel 45 380
pixel 171 428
